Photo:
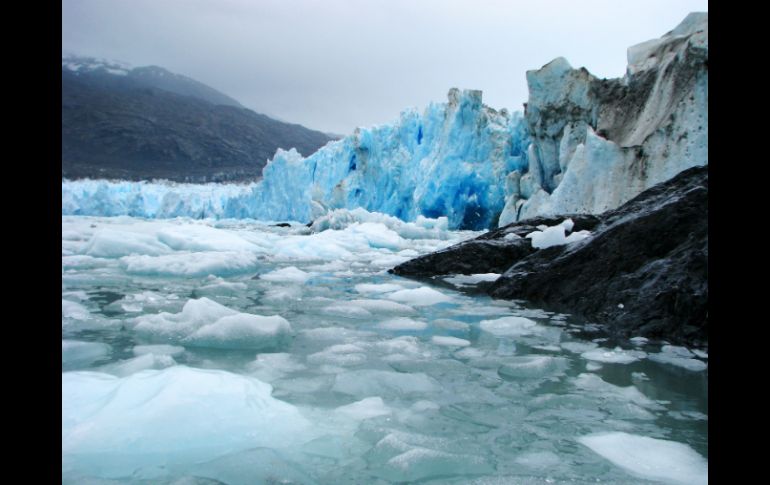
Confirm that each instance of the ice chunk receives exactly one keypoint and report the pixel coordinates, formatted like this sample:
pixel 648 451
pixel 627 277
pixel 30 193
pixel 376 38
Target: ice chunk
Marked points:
pixel 547 348
pixel 406 457
pixel 201 238
pixel 473 279
pixel 371 407
pixel 272 366
pixel 205 323
pixel 76 352
pixel 700 353
pixel 532 366
pixel 172 416
pixel 137 364
pixel 616 356
pixel 597 386
pixel 335 333
pixel 215 286
pixel 538 459
pixel 342 354
pixel 578 347
pixel 377 288
pixel 347 310
pixel 650 458
pixel 242 331
pixel 677 351
pixel 111 243
pixel 555 235
pixel 194 314
pixel 369 382
pixel 449 341
pixel 383 306
pixel 450 324
pixel 161 349
pixel 639 340
pixel 678 356
pixel 421 296
pixel 510 327
pixel 191 264
pixel 292 274
pixel 402 323
pixel 73 310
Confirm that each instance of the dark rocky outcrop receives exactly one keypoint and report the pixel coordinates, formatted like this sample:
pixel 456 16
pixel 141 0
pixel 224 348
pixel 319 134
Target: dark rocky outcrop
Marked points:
pixel 643 271
pixel 489 253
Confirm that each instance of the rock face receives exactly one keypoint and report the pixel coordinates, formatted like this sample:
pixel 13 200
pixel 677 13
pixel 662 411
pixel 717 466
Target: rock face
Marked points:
pixel 624 135
pixel 146 123
pixel 643 271
pixel 492 252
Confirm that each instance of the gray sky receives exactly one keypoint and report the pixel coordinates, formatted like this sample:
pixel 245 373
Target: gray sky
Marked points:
pixel 333 65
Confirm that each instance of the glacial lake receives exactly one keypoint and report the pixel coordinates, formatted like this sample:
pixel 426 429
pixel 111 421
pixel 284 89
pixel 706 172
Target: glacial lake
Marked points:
pixel 238 352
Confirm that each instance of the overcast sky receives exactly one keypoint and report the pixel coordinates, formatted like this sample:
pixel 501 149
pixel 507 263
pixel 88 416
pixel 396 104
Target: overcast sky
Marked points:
pixel 333 65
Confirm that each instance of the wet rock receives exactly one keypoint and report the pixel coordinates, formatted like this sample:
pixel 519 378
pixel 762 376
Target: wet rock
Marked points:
pixel 643 271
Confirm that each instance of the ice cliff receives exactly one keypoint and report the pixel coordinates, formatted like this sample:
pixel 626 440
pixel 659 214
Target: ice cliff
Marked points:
pixel 583 145
pixel 596 143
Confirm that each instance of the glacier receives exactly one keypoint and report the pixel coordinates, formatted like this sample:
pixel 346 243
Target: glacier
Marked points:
pixel 447 161
pixel 470 163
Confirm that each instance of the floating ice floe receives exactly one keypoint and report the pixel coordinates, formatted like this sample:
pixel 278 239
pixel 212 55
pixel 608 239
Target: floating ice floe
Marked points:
pixel 650 458
pixel 178 415
pixel 402 324
pixel 679 357
pixel 615 356
pixel 368 382
pixel 205 323
pixel 191 264
pixel 76 352
pixel 532 366
pixel 292 274
pixel 510 326
pixel 449 341
pixel 367 408
pixel 422 296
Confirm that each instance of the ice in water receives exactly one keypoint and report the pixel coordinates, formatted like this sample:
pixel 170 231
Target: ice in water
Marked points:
pixel 237 352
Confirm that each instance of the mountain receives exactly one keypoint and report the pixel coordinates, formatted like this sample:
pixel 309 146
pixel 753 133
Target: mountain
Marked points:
pixel 583 145
pixel 148 123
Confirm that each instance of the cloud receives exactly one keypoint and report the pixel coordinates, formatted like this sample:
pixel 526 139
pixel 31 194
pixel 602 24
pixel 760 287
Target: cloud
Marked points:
pixel 334 65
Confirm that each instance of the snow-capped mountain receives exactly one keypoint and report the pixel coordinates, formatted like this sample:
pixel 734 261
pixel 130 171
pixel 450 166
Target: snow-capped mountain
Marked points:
pixel 146 122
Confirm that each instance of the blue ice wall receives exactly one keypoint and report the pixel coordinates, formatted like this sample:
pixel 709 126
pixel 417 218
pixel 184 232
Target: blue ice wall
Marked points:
pixel 451 160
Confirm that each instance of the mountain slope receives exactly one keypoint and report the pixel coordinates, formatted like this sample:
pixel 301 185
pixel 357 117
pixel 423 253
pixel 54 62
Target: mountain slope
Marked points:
pixel 146 123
